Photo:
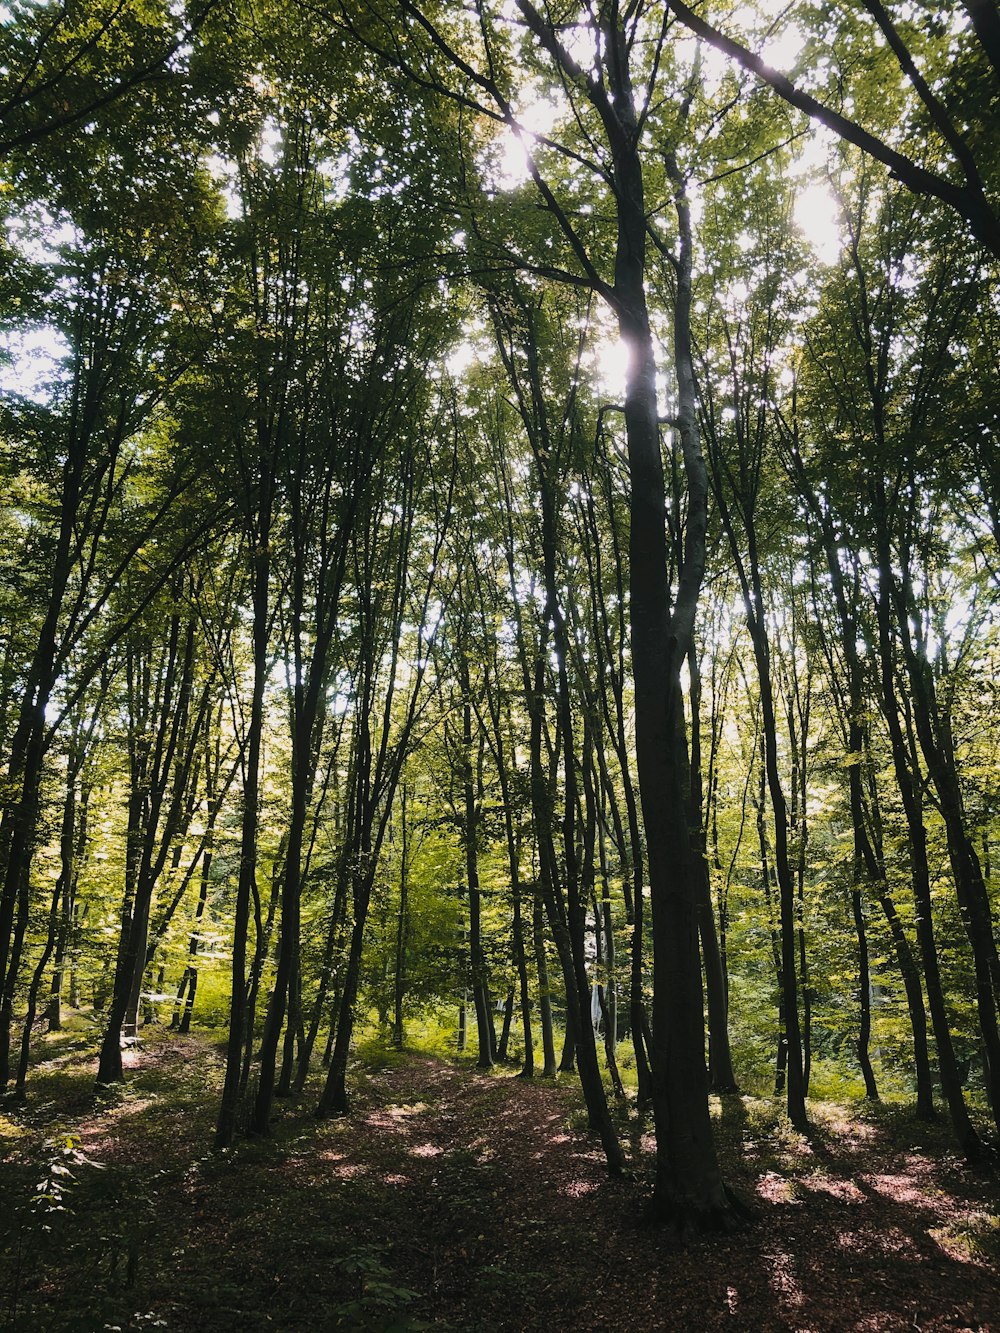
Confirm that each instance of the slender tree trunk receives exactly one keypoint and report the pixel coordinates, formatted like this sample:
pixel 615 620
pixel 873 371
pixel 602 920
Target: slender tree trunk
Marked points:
pixel 781 1057
pixel 513 863
pixel 564 894
pixel 163 771
pixel 182 1019
pixel 787 910
pixel 869 863
pixel 402 935
pixel 689 1190
pixel 612 687
pixel 524 993
pixel 797 713
pixel 295 1035
pixel 333 1100
pixel 470 838
pixel 74 974
pixel 61 891
pixel 973 901
pixel 333 939
pixel 17 827
pixel 591 876
pixel 65 949
pixel 194 945
pixel 567 1058
pixel 608 992
pixel 263 935
pixel 544 993
pixel 247 882
pixel 508 1014
pixel 720 1060
pixel 283 993
pixel 864 997
pixel 951 1084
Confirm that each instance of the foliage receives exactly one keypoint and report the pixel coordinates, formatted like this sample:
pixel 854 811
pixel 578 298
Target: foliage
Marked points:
pixel 321 529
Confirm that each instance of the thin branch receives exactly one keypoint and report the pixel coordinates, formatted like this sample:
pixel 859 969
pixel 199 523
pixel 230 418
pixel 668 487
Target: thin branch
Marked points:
pixel 745 166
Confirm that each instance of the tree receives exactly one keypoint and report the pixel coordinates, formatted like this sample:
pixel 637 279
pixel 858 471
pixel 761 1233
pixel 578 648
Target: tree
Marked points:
pixel 739 433
pixel 950 115
pixel 896 348
pixel 67 63
pixel 610 90
pixel 103 425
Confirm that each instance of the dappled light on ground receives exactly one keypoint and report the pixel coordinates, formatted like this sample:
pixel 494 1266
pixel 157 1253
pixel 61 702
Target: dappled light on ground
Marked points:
pixel 777 1189
pixel 905 1189
pixel 579 1189
pixel 426 1150
pixel 464 1201
pixel 843 1190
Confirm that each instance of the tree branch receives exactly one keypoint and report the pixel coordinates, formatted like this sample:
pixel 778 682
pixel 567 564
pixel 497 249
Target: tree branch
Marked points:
pixel 968 201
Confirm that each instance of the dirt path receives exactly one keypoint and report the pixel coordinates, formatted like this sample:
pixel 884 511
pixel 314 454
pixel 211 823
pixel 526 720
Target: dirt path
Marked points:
pixel 454 1200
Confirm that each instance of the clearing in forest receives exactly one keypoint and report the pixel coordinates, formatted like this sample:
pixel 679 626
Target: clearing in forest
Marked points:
pixel 454 1200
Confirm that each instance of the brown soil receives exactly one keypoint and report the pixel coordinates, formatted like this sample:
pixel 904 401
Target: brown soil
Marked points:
pixel 450 1199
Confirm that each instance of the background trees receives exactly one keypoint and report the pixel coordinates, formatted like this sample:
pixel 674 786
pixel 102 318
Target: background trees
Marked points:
pixel 471 554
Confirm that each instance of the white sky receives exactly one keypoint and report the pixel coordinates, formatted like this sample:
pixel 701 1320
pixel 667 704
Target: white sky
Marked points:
pixel 817 213
pixel 35 354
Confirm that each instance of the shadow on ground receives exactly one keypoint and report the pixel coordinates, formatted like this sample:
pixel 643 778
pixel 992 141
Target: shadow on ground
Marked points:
pixel 453 1200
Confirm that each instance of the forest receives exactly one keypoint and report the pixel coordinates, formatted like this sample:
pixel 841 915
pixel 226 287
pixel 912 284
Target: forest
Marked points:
pixel 499 520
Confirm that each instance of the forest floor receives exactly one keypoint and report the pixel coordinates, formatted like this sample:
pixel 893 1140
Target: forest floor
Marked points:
pixel 453 1200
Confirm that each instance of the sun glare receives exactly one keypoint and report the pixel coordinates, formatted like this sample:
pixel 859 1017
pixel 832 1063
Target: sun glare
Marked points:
pixel 783 49
pixel 611 362
pixel 817 217
pixel 537 117
pixel 817 213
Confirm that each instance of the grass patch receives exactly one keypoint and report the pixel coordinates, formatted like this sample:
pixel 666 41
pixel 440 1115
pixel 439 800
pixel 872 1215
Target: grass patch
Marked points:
pixel 975 1237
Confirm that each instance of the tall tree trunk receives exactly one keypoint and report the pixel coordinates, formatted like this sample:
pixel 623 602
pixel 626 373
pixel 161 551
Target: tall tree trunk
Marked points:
pixel 951 1084
pixel 787 905
pixel 161 771
pixel 62 892
pixel 937 747
pixel 247 883
pixel 402 930
pixel 720 1060
pixel 24 772
pixel 333 1100
pixel 65 950
pixel 327 971
pixel 864 996
pixel 194 944
pixel 869 862
pixel 470 838
pixel 508 1015
pixel 544 993
pixel 283 994
pixel 514 868
pixel 766 879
